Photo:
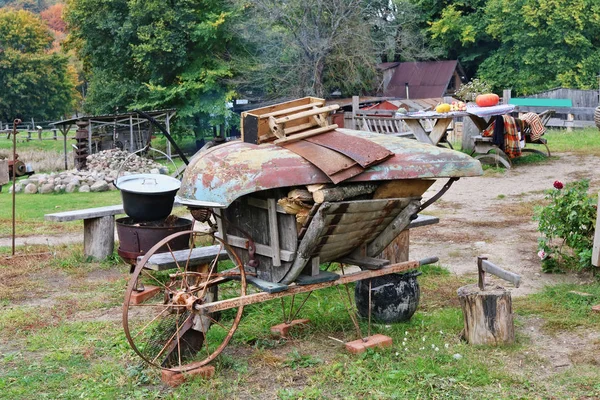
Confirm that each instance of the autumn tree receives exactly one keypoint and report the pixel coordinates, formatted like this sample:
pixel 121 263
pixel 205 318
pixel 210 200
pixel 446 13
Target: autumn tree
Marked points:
pixel 53 17
pixel 35 82
pixel 153 54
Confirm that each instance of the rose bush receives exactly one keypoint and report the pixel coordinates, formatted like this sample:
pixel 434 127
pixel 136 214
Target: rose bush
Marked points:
pixel 567 226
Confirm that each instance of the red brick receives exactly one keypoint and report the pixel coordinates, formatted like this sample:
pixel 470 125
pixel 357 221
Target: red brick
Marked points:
pixel 140 297
pixel 596 308
pixel 360 345
pixel 174 379
pixel 282 330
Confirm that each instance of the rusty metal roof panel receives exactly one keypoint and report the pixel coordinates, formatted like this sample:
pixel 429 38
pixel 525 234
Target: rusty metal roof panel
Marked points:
pixel 426 79
pixel 218 176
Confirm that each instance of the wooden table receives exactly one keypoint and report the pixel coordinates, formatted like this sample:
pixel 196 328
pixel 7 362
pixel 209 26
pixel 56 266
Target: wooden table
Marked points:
pixel 441 121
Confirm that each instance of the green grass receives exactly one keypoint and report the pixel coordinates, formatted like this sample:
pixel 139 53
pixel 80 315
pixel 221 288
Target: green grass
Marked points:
pixel 35 144
pixel 70 344
pixel 563 309
pixel 30 210
pixel 580 141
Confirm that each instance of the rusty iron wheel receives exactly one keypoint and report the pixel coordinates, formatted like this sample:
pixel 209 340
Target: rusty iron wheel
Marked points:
pixel 165 329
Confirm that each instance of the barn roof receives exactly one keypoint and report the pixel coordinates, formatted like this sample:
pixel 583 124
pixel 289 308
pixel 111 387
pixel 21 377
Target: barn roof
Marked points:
pixel 426 79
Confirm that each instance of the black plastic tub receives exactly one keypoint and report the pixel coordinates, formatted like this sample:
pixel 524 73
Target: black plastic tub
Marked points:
pixel 394 297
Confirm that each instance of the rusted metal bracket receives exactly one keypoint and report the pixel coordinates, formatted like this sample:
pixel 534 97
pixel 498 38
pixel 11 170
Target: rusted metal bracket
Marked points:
pixel 438 194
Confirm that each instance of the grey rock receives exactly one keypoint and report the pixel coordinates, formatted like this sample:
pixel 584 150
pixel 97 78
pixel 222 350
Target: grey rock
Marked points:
pixel 100 186
pixel 84 189
pixel 70 188
pixel 46 188
pixel 30 189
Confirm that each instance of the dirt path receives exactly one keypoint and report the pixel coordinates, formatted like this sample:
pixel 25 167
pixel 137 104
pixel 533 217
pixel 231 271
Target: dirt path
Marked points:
pixel 492 215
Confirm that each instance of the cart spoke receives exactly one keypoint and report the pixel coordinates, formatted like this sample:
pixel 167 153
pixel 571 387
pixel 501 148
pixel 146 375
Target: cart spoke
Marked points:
pixel 171 335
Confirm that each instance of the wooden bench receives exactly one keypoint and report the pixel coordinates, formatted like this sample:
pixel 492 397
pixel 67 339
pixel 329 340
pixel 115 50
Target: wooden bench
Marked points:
pixel 98 228
pixel 484 148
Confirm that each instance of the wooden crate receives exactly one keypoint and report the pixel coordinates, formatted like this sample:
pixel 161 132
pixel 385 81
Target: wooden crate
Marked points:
pixel 255 123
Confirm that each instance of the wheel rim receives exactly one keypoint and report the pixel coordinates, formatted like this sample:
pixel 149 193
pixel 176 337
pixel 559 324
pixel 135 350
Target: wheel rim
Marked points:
pixel 165 329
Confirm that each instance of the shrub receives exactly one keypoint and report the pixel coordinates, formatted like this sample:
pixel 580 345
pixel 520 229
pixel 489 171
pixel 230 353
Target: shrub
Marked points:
pixel 567 227
pixel 470 90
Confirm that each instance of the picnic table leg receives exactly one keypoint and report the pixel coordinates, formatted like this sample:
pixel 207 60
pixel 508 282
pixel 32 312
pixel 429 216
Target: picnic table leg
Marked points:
pixel 99 237
pixel 439 129
pixel 415 126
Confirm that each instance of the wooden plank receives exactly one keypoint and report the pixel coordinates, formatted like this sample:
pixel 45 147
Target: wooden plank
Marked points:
pixel 260 203
pixel 87 213
pixel 415 126
pixel 221 229
pixel 362 206
pixel 349 218
pixel 197 256
pixel 263 250
pixel 439 129
pixel 393 229
pixel 402 188
pixel 307 245
pixel 365 262
pixel 289 110
pixel 358 224
pixel 306 134
pixel 304 114
pixel 596 248
pixel 342 234
pixel 274 231
pixel 297 289
pixel 423 220
pixel 340 193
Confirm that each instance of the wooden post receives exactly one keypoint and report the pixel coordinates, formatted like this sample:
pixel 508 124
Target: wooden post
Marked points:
pixel 506 94
pixel 596 251
pixel 355 108
pixel 569 124
pixel 99 237
pixel 488 316
pixel 469 129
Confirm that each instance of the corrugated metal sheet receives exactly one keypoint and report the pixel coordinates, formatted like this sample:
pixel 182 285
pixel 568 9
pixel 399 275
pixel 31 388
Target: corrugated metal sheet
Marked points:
pixel 425 79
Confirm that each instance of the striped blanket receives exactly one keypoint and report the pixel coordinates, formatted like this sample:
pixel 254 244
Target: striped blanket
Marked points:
pixel 535 123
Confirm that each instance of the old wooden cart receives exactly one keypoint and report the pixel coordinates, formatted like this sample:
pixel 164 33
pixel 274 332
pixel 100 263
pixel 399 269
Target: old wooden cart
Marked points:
pixel 247 194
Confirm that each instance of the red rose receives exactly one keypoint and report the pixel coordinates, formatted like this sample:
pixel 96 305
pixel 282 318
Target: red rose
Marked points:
pixel 558 185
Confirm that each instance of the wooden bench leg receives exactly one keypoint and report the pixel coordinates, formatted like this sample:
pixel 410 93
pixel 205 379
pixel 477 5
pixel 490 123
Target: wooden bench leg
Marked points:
pixel 99 237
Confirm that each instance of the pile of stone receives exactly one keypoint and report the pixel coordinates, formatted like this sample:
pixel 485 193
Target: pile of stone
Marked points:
pixel 103 169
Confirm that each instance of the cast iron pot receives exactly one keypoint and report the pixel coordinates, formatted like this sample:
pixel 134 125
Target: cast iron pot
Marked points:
pixel 147 197
pixel 394 297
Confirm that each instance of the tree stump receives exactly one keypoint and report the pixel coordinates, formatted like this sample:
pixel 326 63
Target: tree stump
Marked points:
pixel 487 314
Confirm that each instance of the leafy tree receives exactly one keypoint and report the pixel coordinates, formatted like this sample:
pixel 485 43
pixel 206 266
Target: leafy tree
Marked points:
pixel 35 6
pixel 35 83
pixel 313 47
pixel 53 17
pixel 154 54
pixel 544 44
pixel 526 45
pixel 459 27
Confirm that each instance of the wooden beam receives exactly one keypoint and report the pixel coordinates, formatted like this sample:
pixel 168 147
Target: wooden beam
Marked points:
pixel 296 289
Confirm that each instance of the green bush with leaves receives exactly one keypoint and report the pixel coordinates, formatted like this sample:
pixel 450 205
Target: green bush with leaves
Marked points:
pixel 567 226
pixel 469 91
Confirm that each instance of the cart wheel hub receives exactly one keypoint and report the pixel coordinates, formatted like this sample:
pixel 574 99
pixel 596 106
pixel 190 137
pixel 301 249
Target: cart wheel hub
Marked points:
pixel 183 298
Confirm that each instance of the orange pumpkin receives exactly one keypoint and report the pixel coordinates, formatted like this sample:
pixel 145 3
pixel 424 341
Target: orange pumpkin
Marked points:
pixel 487 100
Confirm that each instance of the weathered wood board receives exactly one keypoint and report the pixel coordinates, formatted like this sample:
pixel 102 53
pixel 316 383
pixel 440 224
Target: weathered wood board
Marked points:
pixel 4 178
